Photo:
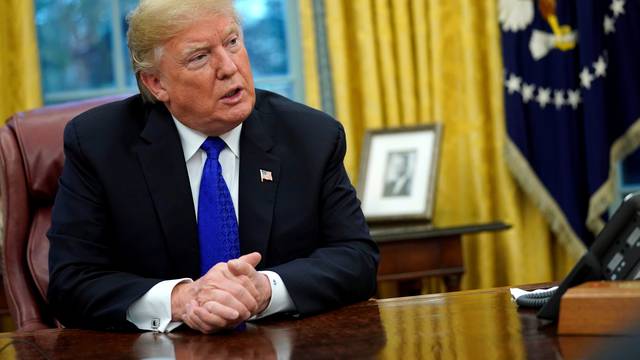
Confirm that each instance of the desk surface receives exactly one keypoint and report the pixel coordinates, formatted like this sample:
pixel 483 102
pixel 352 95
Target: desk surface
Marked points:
pixel 462 325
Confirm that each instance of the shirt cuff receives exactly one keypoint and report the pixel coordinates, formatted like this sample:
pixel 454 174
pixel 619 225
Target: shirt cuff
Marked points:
pixel 280 299
pixel 153 310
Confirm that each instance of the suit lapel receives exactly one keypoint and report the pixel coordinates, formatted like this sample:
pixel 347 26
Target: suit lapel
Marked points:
pixel 161 157
pixel 256 197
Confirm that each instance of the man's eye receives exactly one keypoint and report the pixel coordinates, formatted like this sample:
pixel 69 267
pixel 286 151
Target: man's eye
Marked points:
pixel 197 61
pixel 198 57
pixel 234 42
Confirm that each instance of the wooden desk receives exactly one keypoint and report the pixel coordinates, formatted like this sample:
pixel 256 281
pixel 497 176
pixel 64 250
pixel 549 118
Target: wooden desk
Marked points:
pixel 480 324
pixel 410 253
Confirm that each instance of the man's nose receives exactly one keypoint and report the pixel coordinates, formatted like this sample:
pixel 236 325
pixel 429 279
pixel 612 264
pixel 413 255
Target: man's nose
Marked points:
pixel 225 65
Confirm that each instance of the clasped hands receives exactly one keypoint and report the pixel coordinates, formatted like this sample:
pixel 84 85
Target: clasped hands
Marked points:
pixel 228 294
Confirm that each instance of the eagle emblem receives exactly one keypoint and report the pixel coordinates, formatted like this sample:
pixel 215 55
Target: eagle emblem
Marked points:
pixel 517 15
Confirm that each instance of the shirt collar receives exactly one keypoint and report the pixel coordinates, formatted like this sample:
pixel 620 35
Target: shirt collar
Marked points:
pixel 192 139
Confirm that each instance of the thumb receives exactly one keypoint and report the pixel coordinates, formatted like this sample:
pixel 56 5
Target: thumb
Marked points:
pixel 252 259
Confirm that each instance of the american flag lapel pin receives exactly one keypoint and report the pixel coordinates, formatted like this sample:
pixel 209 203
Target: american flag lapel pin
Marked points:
pixel 265 175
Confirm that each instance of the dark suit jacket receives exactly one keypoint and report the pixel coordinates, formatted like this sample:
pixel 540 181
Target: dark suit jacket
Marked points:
pixel 123 218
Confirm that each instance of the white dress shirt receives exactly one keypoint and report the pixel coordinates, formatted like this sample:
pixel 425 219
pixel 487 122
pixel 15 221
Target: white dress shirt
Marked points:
pixel 153 310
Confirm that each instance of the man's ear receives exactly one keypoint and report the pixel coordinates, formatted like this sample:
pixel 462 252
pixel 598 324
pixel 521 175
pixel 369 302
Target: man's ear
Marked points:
pixel 155 85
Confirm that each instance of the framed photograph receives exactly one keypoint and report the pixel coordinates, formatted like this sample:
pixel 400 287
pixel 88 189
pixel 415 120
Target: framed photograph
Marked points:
pixel 398 173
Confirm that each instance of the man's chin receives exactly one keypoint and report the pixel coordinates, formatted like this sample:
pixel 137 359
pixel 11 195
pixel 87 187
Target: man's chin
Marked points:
pixel 240 112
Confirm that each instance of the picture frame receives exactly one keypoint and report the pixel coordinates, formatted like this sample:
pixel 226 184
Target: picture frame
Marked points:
pixel 398 173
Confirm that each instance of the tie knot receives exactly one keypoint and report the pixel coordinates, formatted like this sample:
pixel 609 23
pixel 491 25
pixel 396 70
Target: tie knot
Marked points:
pixel 212 146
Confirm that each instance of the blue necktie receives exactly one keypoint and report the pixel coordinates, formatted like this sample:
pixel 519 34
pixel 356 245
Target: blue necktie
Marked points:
pixel 217 224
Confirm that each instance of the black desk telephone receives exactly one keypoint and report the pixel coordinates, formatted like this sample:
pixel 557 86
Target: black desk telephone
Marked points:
pixel 614 255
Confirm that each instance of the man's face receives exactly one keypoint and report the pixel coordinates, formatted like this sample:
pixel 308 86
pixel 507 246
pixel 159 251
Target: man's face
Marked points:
pixel 204 76
pixel 397 166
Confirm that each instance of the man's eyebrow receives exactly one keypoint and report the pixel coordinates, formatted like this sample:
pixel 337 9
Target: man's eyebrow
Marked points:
pixel 194 47
pixel 198 46
pixel 233 28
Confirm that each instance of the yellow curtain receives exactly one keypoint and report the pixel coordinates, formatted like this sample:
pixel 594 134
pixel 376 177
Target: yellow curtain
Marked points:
pixel 309 50
pixel 405 62
pixel 19 65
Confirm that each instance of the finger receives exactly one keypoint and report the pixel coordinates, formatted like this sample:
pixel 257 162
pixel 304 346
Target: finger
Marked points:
pixel 245 271
pixel 220 310
pixel 207 321
pixel 214 321
pixel 220 267
pixel 239 267
pixel 215 271
pixel 246 293
pixel 221 271
pixel 192 319
pixel 196 323
pixel 246 305
pixel 247 276
pixel 241 287
pixel 244 281
pixel 252 259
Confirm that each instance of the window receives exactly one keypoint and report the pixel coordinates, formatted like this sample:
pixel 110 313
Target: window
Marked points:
pixel 83 50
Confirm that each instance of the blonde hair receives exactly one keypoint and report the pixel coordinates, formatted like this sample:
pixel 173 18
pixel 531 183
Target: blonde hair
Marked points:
pixel 154 22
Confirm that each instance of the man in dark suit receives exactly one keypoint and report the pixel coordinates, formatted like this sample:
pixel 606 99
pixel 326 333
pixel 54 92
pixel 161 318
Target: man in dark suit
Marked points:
pixel 134 221
pixel 399 174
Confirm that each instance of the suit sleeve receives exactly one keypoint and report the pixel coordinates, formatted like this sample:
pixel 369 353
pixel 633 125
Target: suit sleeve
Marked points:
pixel 343 270
pixel 85 287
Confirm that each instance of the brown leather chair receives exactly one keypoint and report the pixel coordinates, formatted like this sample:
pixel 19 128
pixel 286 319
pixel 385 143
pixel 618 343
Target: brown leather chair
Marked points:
pixel 31 158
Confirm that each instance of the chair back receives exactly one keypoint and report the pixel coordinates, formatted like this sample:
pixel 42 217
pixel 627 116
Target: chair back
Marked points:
pixel 31 159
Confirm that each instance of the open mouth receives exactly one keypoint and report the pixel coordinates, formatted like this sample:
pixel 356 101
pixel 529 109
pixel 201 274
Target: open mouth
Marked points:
pixel 232 93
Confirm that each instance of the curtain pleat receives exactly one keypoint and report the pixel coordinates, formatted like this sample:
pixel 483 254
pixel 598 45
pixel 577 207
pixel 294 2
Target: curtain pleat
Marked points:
pixel 19 62
pixel 309 50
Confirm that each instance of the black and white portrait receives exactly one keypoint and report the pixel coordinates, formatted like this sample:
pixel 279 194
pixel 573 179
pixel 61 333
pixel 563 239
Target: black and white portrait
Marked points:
pixel 399 171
